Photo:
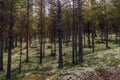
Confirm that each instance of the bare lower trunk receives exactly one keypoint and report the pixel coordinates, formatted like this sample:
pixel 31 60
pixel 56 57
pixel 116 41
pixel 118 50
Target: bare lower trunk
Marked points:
pixel 89 39
pixel 10 38
pixel 1 48
pixel 116 38
pixel 107 40
pixel 73 35
pixel 84 40
pixel 60 34
pixel 93 41
pixel 80 32
pixel 27 30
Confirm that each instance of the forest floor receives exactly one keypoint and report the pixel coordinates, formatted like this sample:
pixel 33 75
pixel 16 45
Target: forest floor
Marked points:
pixel 101 65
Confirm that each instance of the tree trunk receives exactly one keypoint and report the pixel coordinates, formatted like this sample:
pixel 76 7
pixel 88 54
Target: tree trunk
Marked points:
pixel 10 38
pixel 27 30
pixel 116 39
pixel 55 46
pixel 80 31
pixel 89 39
pixel 6 44
pixel 107 39
pixel 84 40
pixel 60 34
pixel 76 52
pixel 93 26
pixel 41 31
pixel 1 48
pixel 73 35
pixel 93 36
pixel 119 32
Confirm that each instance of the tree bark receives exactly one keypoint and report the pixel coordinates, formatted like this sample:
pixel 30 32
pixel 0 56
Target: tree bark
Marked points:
pixel 93 36
pixel 73 35
pixel 10 40
pixel 27 32
pixel 89 39
pixel 84 40
pixel 80 31
pixel 116 38
pixel 1 48
pixel 60 34
pixel 41 31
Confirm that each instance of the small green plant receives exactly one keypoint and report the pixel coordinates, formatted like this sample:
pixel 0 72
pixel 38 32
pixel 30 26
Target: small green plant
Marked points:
pixel 113 62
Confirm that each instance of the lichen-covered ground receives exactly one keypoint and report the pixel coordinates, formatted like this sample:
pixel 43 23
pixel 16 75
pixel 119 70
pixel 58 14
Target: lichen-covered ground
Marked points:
pixel 99 65
pixel 110 73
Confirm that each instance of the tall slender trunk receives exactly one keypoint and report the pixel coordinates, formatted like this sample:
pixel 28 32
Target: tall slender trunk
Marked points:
pixel 84 40
pixel 41 31
pixel 60 34
pixel 44 36
pixel 116 38
pixel 107 39
pixel 106 25
pixel 76 51
pixel 93 26
pixel 10 38
pixel 88 36
pixel 80 31
pixel 55 45
pixel 119 32
pixel 6 44
pixel 27 32
pixel 93 36
pixel 73 35
pixel 1 48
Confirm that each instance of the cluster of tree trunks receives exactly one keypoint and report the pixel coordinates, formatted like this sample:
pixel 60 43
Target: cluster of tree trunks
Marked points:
pixel 77 31
pixel 10 39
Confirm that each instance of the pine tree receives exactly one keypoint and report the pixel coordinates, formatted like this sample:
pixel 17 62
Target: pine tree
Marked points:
pixel 10 40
